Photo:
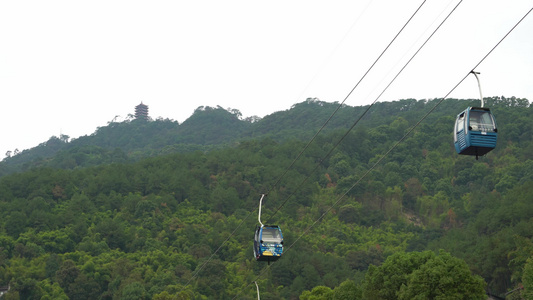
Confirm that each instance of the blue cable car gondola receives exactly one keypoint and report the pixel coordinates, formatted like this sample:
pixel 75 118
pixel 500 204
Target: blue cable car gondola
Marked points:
pixel 475 130
pixel 268 240
pixel 268 243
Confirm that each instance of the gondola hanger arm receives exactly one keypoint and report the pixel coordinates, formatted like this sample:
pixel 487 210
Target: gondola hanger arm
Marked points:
pixel 258 298
pixel 260 204
pixel 479 86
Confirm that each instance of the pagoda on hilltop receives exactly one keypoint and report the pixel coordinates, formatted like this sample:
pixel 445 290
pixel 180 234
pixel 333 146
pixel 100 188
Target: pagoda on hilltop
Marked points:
pixel 141 112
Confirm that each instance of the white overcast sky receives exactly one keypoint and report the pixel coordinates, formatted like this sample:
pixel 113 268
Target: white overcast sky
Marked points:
pixel 68 67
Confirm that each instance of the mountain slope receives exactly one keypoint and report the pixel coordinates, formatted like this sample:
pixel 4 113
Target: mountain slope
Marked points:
pixel 210 128
pixel 126 228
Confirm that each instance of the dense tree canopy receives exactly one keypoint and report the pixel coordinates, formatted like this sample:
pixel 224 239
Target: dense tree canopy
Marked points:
pixel 164 220
pixel 422 275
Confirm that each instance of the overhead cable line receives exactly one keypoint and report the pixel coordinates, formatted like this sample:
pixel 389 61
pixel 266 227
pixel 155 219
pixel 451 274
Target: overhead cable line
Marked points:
pixel 334 50
pixel 411 47
pixel 409 131
pixel 351 128
pixel 306 147
pixel 347 96
pixel 394 146
pixel 370 106
pixel 195 274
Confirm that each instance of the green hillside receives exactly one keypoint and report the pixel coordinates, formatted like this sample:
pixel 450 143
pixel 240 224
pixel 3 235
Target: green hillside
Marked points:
pixel 208 128
pixel 161 210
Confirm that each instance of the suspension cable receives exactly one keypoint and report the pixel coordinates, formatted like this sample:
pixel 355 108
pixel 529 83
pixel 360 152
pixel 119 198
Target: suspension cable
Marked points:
pixel 347 96
pixel 306 147
pixel 370 106
pixel 391 149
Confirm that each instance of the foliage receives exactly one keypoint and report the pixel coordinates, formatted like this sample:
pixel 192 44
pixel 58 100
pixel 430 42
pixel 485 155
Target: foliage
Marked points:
pixel 527 279
pixel 422 275
pixel 127 213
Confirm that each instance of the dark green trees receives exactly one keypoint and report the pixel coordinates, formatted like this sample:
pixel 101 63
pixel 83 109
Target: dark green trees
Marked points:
pixel 422 275
pixel 97 223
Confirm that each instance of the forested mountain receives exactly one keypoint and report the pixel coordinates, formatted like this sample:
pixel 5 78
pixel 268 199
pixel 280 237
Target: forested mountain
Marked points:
pixel 162 213
pixel 208 128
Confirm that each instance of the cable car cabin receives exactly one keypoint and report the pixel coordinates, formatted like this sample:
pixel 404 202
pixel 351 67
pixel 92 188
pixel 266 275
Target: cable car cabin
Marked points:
pixel 475 132
pixel 268 243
